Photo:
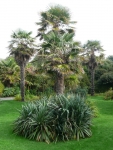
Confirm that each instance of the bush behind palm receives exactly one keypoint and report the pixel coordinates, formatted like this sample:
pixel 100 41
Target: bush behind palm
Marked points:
pixel 10 91
pixel 1 88
pixel 108 95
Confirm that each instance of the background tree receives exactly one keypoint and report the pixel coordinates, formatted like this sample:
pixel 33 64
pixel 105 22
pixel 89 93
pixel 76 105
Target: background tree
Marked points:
pixel 91 47
pixel 22 48
pixel 9 72
pixel 103 75
pixel 110 57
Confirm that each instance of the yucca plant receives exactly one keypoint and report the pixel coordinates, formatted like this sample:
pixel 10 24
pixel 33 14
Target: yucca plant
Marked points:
pixel 34 121
pixel 62 127
pixel 76 115
pixel 22 124
pixel 80 117
pixel 58 118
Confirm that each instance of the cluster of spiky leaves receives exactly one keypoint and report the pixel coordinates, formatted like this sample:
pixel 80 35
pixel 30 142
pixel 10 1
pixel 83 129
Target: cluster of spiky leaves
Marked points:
pixel 59 118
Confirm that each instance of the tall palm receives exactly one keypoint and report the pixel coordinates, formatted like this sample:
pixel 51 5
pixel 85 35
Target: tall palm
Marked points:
pixel 54 28
pixel 22 48
pixel 61 56
pixel 56 18
pixel 91 47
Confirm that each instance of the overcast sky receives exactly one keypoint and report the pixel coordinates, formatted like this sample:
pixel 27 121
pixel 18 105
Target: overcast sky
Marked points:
pixel 94 20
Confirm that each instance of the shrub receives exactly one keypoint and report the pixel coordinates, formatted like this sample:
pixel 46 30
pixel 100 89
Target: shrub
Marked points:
pixel 28 97
pixel 58 118
pixel 80 91
pixel 109 94
pixel 10 91
pixel 34 121
pixel 73 117
pixel 93 108
pixel 1 88
pixel 104 82
pixel 17 97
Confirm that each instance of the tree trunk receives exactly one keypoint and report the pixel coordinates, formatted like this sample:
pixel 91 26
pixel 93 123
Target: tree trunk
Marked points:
pixel 59 85
pixel 22 81
pixel 92 82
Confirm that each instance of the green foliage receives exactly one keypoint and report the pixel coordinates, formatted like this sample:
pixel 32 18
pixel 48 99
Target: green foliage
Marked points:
pixel 71 81
pixel 104 76
pixel 48 92
pixel 105 82
pixel 17 97
pixel 9 72
pixel 33 91
pixel 74 117
pixel 61 12
pixel 10 91
pixel 80 91
pixel 28 97
pixel 84 82
pixel 34 121
pixel 99 72
pixel 93 108
pixel 110 57
pixel 109 94
pixel 1 88
pixel 58 118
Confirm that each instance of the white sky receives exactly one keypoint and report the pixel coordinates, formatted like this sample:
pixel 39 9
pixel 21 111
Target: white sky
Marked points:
pixel 94 19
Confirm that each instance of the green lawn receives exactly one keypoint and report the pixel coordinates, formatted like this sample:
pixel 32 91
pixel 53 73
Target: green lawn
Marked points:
pixel 101 139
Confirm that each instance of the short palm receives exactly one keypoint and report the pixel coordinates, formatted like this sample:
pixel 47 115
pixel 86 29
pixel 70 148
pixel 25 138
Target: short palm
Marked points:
pixel 91 47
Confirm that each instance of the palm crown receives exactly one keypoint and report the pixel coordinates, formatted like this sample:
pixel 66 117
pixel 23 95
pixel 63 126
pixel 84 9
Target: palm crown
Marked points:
pixel 57 18
pixel 61 52
pixel 22 46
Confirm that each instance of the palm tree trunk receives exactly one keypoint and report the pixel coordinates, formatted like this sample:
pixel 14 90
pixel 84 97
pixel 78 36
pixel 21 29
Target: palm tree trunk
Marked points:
pixel 59 85
pixel 22 81
pixel 92 82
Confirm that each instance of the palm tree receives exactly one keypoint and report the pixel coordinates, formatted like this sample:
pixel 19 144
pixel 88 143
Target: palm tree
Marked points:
pixel 57 19
pixel 91 47
pixel 22 48
pixel 58 45
pixel 61 55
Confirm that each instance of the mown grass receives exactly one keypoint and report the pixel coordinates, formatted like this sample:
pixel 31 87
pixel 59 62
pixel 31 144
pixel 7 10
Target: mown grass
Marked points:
pixel 102 129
